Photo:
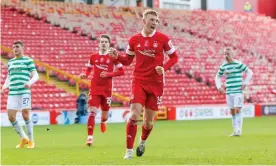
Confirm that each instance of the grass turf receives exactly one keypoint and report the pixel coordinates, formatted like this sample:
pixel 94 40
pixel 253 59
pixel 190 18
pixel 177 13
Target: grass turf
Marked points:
pixel 171 142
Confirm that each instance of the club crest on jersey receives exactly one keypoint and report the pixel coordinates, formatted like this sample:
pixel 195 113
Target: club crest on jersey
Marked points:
pixel 138 46
pixel 155 44
pixel 107 61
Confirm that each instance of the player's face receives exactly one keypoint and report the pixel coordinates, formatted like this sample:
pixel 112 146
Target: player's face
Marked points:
pixel 17 49
pixel 151 22
pixel 228 55
pixel 104 44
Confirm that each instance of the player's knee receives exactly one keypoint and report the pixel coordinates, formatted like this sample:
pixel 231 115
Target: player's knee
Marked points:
pixel 238 110
pixel 93 111
pixel 233 112
pixel 148 124
pixel 12 118
pixel 135 113
pixel 25 115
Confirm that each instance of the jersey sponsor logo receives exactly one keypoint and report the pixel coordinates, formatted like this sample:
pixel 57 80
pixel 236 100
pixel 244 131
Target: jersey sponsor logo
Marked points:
pixel 103 67
pixel 149 53
pixel 15 70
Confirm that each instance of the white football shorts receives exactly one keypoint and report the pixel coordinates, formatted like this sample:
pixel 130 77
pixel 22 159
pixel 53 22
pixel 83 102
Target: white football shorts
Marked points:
pixel 19 102
pixel 234 100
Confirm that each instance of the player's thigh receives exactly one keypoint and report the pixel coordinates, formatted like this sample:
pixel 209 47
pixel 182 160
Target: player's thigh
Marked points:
pixel 230 101
pixel 238 101
pixel 155 96
pixel 14 103
pixel 106 102
pixel 26 102
pixel 138 94
pixel 94 100
pixel 12 114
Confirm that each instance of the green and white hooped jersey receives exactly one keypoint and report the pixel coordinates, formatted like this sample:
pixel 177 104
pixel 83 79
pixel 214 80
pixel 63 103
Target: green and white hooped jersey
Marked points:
pixel 233 72
pixel 20 70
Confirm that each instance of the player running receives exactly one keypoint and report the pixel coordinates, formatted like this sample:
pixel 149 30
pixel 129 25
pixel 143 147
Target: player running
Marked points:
pixel 233 70
pixel 105 67
pixel 22 75
pixel 148 47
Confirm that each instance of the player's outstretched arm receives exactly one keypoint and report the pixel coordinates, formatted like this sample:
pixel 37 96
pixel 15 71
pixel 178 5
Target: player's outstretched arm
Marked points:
pixel 6 84
pixel 126 59
pixel 34 78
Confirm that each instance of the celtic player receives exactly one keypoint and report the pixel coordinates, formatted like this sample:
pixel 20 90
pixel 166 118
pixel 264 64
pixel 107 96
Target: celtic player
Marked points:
pixel 233 70
pixel 21 75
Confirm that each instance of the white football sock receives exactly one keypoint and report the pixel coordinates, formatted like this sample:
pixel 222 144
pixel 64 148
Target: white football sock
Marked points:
pixel 30 129
pixel 18 129
pixel 239 119
pixel 234 122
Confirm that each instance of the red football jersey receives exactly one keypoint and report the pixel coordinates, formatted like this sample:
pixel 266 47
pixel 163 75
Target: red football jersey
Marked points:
pixel 100 63
pixel 150 52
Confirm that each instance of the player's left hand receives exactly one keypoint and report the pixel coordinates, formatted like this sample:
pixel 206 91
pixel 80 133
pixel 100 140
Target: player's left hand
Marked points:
pixel 160 70
pixel 27 85
pixel 103 74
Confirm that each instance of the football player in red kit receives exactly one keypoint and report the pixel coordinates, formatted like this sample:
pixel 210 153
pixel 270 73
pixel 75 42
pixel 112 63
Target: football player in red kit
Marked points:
pixel 105 67
pixel 148 81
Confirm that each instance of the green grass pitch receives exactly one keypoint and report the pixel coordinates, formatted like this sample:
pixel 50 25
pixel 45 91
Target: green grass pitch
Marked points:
pixel 171 142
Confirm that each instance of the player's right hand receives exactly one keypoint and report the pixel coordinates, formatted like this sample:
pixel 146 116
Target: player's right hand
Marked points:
pixel 160 70
pixel 82 76
pixel 221 90
pixel 113 53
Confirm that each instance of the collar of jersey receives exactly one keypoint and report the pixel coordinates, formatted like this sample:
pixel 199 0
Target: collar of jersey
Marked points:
pixel 103 53
pixel 150 35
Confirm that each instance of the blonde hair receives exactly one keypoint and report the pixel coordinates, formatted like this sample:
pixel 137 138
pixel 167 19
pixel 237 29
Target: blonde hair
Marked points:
pixel 150 11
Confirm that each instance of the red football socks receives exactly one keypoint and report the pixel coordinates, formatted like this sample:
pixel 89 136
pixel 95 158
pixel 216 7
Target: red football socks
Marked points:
pixel 90 124
pixel 145 132
pixel 131 130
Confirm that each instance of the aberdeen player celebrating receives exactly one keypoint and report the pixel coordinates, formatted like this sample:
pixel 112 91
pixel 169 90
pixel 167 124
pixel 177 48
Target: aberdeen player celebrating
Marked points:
pixel 105 67
pixel 148 77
